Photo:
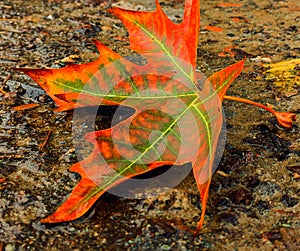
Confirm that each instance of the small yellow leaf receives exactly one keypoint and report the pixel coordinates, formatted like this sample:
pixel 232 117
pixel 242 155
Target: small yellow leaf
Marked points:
pixel 286 76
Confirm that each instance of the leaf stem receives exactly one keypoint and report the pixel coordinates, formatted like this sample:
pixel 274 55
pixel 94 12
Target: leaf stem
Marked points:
pixel 250 102
pixel 285 119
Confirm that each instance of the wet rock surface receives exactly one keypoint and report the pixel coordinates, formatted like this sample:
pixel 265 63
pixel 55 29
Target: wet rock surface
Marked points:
pixel 254 197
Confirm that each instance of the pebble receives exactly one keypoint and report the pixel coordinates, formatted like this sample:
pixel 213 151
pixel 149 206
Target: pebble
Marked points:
pixel 165 247
pixel 72 229
pixel 10 247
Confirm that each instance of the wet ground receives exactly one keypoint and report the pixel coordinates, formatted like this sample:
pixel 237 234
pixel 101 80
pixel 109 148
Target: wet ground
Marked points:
pixel 254 197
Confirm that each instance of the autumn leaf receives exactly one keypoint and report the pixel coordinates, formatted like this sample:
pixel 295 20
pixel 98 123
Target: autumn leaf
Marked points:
pixel 230 4
pixel 213 28
pixel 177 112
pixel 285 76
pixel 24 107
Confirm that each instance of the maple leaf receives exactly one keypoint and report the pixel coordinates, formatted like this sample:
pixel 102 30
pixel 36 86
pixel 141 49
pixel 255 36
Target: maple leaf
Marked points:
pixel 177 120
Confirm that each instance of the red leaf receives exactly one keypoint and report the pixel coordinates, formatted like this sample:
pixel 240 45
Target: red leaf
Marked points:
pixel 225 4
pixel 213 28
pixel 175 121
pixel 24 107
